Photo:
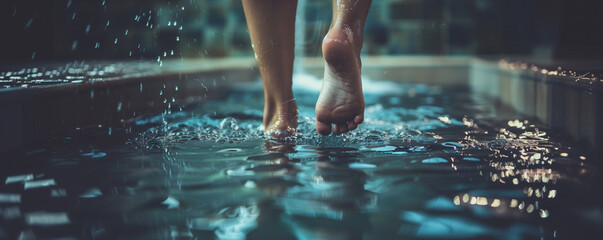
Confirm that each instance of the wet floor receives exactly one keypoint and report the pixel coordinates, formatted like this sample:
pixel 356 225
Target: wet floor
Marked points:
pixel 428 163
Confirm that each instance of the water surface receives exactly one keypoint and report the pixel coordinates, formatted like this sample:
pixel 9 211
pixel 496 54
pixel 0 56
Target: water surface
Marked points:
pixel 428 163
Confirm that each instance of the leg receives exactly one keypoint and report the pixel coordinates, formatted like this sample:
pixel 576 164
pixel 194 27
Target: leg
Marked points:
pixel 341 101
pixel 272 30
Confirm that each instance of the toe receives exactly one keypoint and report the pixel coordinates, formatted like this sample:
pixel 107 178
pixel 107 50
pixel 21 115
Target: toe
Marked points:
pixel 336 129
pixel 323 128
pixel 343 128
pixel 359 119
pixel 352 125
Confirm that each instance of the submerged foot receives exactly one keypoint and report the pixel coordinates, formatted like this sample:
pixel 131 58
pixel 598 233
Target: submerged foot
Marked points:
pixel 280 120
pixel 341 102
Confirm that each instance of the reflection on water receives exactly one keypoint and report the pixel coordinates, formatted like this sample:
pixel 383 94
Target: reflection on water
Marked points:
pixel 428 163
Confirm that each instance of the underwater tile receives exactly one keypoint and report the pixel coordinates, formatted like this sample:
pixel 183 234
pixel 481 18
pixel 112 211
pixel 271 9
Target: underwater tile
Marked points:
pixel 47 218
pixel 11 212
pixel 91 193
pixel 10 198
pixel 39 183
pixel 18 178
pixel 59 192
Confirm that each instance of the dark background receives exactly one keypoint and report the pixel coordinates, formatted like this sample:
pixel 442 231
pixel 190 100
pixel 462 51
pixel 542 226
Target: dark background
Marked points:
pixel 48 30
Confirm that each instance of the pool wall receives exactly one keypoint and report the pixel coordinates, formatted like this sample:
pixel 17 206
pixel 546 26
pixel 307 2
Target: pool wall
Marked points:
pixel 36 114
pixel 561 100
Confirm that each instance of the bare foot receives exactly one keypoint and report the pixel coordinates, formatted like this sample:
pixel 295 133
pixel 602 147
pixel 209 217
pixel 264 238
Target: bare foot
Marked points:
pixel 341 102
pixel 280 119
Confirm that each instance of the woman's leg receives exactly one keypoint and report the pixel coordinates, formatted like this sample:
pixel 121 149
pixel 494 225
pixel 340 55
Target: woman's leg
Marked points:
pixel 272 29
pixel 341 101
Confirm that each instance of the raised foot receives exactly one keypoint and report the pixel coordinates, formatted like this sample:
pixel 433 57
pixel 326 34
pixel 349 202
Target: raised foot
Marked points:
pixel 341 102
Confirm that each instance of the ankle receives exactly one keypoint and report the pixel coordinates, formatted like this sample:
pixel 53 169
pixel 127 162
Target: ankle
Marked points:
pixel 276 111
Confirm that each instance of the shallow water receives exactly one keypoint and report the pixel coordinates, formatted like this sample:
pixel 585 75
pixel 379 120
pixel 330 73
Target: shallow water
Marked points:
pixel 428 163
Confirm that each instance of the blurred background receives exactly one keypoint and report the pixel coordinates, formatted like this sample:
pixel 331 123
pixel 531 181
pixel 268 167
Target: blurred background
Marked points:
pixel 49 30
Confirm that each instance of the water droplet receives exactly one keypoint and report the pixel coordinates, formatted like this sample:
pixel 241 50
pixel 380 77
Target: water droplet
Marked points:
pixel 28 24
pixel 171 203
pixel 249 184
